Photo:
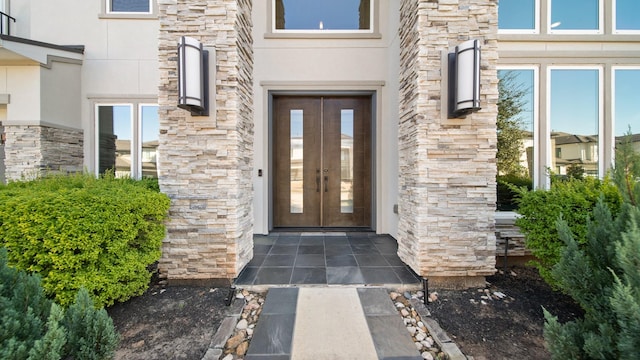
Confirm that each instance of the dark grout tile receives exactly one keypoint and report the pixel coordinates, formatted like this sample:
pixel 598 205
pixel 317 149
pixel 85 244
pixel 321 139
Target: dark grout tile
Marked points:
pixel 390 338
pixel 281 301
pixel 338 250
pixel 344 275
pixel 341 260
pixel 261 249
pixel 257 260
pixel 247 275
pixel 273 335
pixel 310 260
pixel 371 260
pixel 405 275
pixel 263 240
pixel 379 275
pixel 387 248
pixel 312 240
pixel 364 249
pixel 288 240
pixel 279 260
pixel 283 250
pixel 376 301
pixel 273 276
pixel 309 275
pixel 313 249
pixel 336 240
pixel 393 259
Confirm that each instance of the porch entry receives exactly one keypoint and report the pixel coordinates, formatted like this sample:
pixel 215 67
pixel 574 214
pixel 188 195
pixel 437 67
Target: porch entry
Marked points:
pixel 322 161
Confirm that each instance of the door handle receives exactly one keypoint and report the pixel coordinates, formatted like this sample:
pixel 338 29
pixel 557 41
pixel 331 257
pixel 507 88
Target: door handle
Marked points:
pixel 326 180
pixel 317 180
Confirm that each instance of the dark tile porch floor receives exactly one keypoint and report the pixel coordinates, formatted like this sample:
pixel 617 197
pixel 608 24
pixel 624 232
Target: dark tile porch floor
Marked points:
pixel 351 258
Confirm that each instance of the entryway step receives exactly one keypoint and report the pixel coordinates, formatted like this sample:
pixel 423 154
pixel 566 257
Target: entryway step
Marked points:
pixel 330 323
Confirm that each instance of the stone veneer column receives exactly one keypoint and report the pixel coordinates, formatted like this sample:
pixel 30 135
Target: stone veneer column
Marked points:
pixel 447 166
pixel 205 163
pixel 31 150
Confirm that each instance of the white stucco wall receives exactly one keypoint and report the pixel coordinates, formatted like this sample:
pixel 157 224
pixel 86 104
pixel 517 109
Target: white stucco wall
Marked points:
pixel 120 54
pixel 308 64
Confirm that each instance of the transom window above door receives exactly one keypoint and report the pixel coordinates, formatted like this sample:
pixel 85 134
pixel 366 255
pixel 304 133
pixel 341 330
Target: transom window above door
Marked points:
pixel 129 6
pixel 322 15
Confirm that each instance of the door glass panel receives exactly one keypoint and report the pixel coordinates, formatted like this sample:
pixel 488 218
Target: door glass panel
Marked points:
pixel 114 139
pixel 150 129
pixel 297 158
pixel 346 161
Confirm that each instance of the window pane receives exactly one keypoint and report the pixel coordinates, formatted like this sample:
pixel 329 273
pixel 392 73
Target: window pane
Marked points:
pixel 574 15
pixel 574 122
pixel 517 15
pixel 323 14
pixel 346 161
pixel 627 15
pixel 516 146
pixel 627 98
pixel 150 128
pixel 297 158
pixel 130 6
pixel 114 139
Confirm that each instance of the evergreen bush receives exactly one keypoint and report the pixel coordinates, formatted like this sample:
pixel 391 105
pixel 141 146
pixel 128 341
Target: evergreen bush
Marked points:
pixel 33 327
pixel 81 231
pixel 574 200
pixel 603 276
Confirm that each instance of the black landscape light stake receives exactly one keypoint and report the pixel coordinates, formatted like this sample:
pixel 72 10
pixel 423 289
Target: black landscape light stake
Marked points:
pixel 231 294
pixel 425 289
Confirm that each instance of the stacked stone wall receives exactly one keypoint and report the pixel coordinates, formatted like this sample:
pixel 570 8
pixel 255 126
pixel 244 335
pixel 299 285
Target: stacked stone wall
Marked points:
pixel 32 150
pixel 447 166
pixel 205 163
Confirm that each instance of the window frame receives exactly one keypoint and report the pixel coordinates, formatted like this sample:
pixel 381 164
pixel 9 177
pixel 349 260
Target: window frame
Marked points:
pixel 612 137
pixel 135 119
pixel 614 21
pixel 536 115
pixel 601 117
pixel 106 12
pixel 599 30
pixel 372 32
pixel 536 23
pixel 139 137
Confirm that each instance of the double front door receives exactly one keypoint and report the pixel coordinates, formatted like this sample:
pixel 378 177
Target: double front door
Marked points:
pixel 322 161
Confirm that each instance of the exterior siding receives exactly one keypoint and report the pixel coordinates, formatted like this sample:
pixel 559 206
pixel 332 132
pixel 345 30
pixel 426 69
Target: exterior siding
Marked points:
pixel 206 162
pixel 447 166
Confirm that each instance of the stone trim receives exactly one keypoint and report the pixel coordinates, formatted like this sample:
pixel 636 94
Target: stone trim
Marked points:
pixel 447 166
pixel 205 163
pixel 32 150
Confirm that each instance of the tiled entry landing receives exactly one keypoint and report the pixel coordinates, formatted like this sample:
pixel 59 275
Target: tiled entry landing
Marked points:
pixel 326 259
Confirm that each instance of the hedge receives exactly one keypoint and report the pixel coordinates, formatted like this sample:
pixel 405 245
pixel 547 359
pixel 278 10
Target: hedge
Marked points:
pixel 82 231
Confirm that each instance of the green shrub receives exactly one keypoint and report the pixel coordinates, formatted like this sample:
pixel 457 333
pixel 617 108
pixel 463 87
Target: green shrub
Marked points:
pixel 79 231
pixel 35 328
pixel 507 196
pixel 574 200
pixel 603 276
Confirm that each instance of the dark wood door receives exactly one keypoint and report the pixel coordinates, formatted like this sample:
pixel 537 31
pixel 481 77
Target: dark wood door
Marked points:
pixel 322 161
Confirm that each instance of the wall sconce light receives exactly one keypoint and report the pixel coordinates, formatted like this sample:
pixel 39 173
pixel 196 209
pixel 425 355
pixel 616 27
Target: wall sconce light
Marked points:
pixel 193 75
pixel 464 79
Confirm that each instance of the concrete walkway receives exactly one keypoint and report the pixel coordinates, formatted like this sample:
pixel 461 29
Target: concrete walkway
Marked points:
pixel 330 323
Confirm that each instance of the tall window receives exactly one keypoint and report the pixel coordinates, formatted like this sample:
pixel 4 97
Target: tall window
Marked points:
pixel 127 139
pixel 626 99
pixel 517 138
pixel 575 121
pixel 322 15
pixel 575 16
pixel 518 16
pixel 129 6
pixel 626 16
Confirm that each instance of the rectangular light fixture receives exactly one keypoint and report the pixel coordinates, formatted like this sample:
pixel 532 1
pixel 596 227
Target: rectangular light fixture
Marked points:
pixel 464 79
pixel 193 76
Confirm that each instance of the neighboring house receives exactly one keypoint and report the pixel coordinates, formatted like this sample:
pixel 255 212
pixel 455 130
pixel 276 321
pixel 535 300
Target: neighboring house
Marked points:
pixel 361 86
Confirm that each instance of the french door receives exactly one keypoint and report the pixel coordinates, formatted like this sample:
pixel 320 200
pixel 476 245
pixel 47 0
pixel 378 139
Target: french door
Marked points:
pixel 322 161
